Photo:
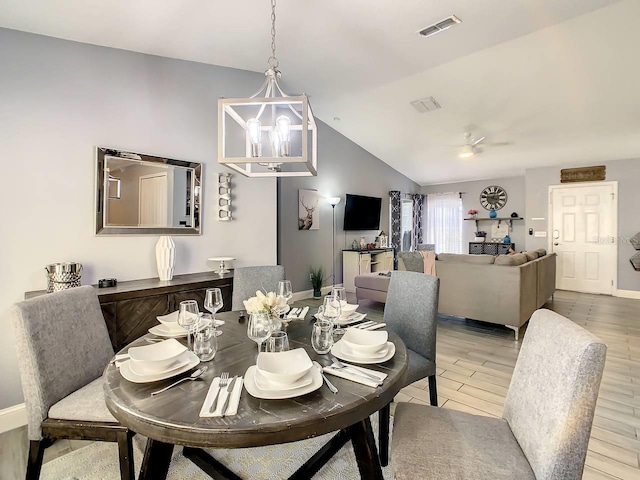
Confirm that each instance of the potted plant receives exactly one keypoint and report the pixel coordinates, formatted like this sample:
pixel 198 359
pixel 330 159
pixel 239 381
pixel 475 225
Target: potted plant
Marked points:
pixel 473 213
pixel 480 236
pixel 317 277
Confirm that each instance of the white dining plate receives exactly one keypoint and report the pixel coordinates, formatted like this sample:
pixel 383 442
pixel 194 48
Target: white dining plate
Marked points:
pixel 265 384
pixel 165 332
pixel 255 391
pixel 127 373
pixel 172 317
pixel 339 351
pixel 151 368
pixel 353 318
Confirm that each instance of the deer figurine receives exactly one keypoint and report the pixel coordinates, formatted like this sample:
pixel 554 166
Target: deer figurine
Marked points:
pixel 304 223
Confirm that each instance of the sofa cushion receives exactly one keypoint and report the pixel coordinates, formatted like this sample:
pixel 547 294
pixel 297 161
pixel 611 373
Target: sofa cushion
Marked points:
pixel 372 281
pixel 541 252
pixel 464 258
pixel 511 260
pixel 531 255
pixel 412 261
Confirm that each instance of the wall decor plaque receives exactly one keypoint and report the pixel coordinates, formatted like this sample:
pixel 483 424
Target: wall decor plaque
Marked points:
pixel 583 174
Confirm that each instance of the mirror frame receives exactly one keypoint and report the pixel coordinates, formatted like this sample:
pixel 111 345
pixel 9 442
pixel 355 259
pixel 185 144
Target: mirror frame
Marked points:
pixel 196 195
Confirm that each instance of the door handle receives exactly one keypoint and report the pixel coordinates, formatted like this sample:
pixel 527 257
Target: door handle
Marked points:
pixel 556 244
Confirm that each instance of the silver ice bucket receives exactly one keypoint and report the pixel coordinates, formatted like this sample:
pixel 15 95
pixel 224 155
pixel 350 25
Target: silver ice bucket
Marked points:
pixel 61 276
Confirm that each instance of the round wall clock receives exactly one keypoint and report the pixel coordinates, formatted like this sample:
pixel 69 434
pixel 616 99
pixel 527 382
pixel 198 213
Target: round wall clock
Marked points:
pixel 493 196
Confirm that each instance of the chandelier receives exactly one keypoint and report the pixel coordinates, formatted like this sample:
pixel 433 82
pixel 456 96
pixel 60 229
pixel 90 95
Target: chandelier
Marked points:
pixel 269 134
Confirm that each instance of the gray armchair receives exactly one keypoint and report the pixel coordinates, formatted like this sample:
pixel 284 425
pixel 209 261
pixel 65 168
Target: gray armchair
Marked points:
pixel 63 347
pixel 545 426
pixel 411 312
pixel 248 280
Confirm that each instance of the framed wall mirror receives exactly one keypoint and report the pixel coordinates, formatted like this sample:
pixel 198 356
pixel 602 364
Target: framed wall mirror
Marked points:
pixel 139 194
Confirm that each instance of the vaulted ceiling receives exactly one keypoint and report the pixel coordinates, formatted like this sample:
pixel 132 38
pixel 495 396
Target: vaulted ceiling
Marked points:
pixel 547 82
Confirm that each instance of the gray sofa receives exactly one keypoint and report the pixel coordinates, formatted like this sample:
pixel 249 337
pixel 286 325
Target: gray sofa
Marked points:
pixel 505 289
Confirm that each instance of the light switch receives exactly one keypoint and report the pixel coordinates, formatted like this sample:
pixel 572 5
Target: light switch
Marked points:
pixel 540 234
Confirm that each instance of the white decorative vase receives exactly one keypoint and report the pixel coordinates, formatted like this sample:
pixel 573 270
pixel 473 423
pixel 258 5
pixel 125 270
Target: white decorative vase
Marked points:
pixel 479 239
pixel 165 257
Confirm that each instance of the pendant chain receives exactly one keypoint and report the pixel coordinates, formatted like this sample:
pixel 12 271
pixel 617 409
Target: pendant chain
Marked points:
pixel 273 61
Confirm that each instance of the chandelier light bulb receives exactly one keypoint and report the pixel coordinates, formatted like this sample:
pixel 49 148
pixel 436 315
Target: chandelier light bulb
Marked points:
pixel 254 130
pixel 283 126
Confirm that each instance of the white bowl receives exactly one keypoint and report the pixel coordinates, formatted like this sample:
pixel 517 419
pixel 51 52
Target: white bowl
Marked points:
pixel 162 354
pixel 170 319
pixel 347 310
pixel 284 367
pixel 365 341
pixel 154 368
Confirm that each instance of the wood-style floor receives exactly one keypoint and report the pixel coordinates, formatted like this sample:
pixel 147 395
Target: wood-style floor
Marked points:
pixel 475 362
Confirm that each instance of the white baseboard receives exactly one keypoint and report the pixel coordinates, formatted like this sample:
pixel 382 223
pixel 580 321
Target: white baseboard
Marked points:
pixel 628 294
pixel 297 296
pixel 13 417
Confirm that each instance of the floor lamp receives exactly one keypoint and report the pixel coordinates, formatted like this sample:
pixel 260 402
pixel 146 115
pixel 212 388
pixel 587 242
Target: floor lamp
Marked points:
pixel 333 201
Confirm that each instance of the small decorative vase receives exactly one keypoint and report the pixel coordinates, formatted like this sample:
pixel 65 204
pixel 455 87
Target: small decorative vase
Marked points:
pixel 507 239
pixel 363 243
pixel 474 215
pixel 354 245
pixel 276 322
pixel 165 257
pixel 317 293
pixel 493 213
pixel 479 239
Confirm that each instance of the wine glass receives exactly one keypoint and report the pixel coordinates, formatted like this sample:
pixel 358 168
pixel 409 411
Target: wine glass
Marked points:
pixel 341 294
pixel 188 317
pixel 331 310
pixel 322 336
pixel 259 327
pixel 278 342
pixel 213 302
pixel 284 292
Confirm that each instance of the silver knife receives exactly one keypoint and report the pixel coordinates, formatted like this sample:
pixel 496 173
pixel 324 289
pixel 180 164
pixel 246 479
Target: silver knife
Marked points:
pixel 229 391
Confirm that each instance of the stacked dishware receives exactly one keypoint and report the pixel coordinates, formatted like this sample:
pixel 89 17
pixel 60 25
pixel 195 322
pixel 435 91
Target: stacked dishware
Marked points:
pixel 364 346
pixel 284 374
pixel 170 328
pixel 157 361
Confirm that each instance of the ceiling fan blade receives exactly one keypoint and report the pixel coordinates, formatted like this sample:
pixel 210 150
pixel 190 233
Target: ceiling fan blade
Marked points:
pixel 478 141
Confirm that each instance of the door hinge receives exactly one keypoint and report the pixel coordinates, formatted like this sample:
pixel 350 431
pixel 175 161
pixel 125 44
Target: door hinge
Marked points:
pixel 613 196
pixel 612 283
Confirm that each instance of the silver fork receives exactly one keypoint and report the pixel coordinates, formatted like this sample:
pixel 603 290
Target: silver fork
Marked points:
pixel 224 379
pixel 339 365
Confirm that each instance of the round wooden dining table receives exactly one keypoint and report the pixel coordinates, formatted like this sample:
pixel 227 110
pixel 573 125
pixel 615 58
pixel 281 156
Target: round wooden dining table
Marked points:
pixel 172 418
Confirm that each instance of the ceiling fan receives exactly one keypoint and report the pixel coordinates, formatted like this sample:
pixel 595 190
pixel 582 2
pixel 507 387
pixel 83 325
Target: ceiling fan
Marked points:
pixel 471 146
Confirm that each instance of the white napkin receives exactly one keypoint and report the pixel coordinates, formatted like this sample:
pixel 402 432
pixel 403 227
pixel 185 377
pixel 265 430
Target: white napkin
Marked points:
pixel 375 326
pixel 301 315
pixel 232 408
pixel 348 374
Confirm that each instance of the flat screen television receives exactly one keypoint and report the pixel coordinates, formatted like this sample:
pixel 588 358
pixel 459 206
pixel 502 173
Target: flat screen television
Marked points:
pixel 362 213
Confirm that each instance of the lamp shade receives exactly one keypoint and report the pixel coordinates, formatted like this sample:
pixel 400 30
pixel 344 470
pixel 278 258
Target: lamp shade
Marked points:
pixel 333 201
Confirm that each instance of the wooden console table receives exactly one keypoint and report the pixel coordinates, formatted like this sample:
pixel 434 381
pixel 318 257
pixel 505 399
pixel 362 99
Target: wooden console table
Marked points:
pixel 131 307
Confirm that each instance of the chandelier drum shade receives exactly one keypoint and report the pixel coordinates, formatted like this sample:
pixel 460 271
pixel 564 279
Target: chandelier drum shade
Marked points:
pixel 269 134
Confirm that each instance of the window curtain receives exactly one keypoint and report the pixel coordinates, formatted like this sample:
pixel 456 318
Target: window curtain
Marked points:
pixel 395 219
pixel 444 222
pixel 418 215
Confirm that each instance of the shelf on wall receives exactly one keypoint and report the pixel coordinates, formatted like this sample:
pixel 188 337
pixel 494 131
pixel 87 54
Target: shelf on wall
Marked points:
pixel 498 219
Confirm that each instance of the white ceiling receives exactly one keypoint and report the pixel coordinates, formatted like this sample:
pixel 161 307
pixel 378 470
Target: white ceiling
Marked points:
pixel 556 78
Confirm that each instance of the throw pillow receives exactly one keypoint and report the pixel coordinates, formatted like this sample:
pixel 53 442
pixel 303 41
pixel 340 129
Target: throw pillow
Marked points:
pixel 511 260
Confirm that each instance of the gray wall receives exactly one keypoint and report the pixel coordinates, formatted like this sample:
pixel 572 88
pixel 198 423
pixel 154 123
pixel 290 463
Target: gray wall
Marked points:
pixel 60 99
pixel 516 200
pixel 626 173
pixel 343 167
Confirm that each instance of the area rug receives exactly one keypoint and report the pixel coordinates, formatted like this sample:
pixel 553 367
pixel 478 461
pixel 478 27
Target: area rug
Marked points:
pixel 99 461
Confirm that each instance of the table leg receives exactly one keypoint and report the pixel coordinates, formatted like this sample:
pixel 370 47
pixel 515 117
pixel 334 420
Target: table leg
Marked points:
pixel 364 446
pixel 157 457
pixel 208 464
pixel 384 417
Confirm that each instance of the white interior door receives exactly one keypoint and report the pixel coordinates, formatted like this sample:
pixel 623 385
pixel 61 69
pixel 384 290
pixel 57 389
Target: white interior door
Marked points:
pixel 153 200
pixel 583 233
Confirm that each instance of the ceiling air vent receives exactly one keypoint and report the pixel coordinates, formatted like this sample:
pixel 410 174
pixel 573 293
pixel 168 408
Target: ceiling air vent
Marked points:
pixel 441 26
pixel 425 105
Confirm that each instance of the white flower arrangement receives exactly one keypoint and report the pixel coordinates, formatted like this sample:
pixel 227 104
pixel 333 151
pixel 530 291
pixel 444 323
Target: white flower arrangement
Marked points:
pixel 269 303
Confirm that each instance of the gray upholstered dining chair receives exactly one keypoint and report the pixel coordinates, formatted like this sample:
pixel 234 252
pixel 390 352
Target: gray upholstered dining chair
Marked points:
pixel 63 347
pixel 248 280
pixel 411 312
pixel 545 426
